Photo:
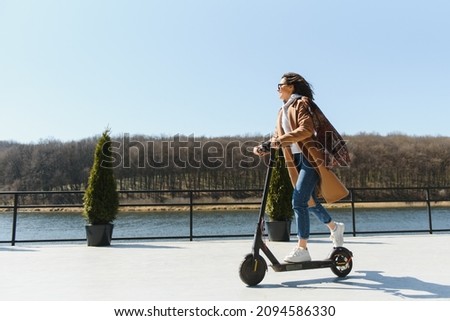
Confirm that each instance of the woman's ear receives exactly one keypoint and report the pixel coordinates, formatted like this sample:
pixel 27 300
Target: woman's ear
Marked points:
pixel 291 88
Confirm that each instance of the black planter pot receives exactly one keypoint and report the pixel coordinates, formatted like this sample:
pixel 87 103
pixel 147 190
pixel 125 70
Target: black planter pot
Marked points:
pixel 279 231
pixel 99 235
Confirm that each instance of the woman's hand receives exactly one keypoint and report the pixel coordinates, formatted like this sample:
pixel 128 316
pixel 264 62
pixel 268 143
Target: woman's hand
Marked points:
pixel 264 148
pixel 259 150
pixel 275 143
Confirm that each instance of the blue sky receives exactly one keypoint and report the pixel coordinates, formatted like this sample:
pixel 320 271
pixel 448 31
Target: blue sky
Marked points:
pixel 69 69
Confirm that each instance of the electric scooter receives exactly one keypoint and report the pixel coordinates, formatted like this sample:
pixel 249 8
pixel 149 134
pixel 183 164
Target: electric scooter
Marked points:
pixel 253 268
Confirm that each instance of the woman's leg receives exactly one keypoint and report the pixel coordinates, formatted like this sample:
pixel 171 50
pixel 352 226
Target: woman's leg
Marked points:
pixel 320 212
pixel 303 190
pixel 336 229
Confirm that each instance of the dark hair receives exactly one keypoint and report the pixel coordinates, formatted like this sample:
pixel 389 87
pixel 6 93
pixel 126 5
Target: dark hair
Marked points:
pixel 301 86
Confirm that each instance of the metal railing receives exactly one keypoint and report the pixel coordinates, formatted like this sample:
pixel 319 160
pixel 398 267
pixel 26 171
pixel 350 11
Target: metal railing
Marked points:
pixel 425 195
pixel 193 200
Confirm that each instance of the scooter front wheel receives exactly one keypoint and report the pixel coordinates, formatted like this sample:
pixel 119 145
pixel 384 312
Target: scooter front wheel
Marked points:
pixel 252 270
pixel 342 261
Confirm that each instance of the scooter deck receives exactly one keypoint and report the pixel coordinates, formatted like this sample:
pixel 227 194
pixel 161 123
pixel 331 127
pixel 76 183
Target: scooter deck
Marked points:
pixel 285 267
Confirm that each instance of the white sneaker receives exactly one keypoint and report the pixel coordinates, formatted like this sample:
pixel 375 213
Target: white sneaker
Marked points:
pixel 337 236
pixel 297 255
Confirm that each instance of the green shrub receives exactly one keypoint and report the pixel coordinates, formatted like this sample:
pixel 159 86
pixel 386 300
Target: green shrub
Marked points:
pixel 279 199
pixel 101 199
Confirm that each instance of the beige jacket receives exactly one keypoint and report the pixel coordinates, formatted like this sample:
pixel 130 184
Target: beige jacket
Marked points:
pixel 330 187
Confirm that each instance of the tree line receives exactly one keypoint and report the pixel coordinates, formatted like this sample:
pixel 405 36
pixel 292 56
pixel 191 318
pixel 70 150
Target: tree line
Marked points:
pixel 190 162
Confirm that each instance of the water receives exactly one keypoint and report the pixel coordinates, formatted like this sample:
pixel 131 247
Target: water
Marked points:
pixel 63 225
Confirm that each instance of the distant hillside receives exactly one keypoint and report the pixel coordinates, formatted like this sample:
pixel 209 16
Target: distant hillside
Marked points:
pixel 215 163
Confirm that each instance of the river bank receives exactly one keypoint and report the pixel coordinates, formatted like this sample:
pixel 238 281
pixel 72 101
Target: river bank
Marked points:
pixel 228 207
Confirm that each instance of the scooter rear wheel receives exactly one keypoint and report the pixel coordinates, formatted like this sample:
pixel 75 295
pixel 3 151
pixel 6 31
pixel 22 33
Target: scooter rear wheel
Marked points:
pixel 252 270
pixel 342 262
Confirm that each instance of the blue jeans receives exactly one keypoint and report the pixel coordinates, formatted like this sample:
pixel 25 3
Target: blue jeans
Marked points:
pixel 307 181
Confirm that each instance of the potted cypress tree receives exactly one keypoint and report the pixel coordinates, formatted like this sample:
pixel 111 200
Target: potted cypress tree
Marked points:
pixel 101 199
pixel 279 201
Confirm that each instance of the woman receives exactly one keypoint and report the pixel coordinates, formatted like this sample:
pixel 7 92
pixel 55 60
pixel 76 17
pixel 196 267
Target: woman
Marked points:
pixel 304 157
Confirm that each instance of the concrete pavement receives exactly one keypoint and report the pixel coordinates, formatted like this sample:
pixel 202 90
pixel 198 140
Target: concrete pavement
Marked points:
pixel 394 267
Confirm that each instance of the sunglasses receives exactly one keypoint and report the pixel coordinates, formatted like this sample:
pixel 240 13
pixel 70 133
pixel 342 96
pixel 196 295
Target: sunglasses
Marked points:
pixel 281 85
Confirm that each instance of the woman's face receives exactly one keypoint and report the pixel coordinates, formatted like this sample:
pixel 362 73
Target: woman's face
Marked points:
pixel 284 90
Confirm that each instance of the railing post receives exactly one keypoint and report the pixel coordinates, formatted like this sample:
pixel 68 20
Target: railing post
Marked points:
pixel 14 225
pixel 430 220
pixel 352 201
pixel 191 215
